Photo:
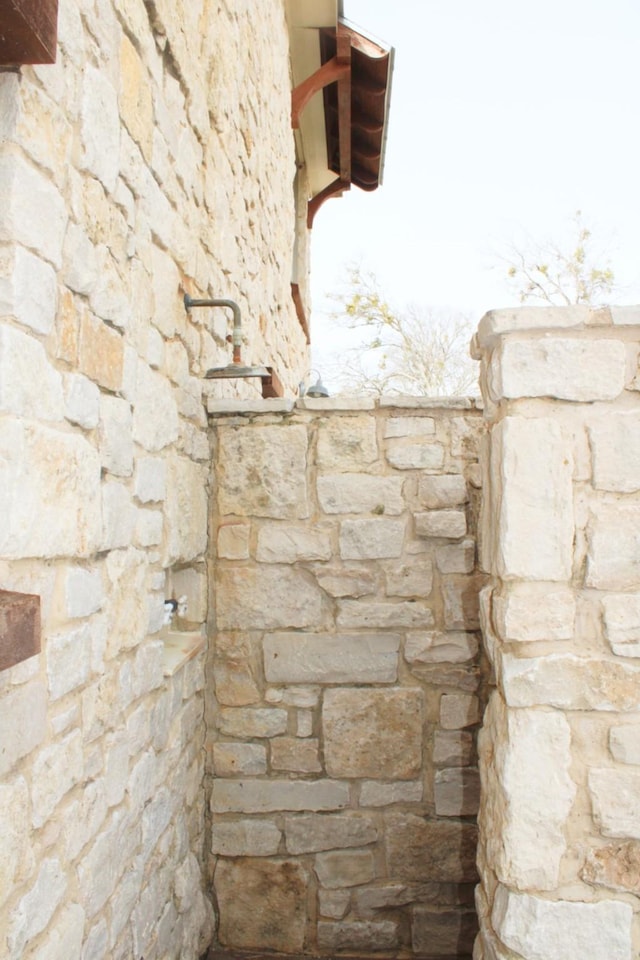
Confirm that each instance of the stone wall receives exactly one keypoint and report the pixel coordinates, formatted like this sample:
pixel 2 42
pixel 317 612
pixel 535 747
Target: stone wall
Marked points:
pixel 559 852
pixel 344 686
pixel 154 157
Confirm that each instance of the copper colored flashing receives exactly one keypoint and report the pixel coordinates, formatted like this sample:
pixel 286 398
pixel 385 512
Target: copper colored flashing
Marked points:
pixel 335 189
pixel 19 627
pixel 302 317
pixel 329 72
pixel 28 31
pixel 271 385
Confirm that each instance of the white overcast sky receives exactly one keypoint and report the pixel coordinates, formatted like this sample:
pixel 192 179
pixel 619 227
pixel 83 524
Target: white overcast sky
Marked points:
pixel 506 117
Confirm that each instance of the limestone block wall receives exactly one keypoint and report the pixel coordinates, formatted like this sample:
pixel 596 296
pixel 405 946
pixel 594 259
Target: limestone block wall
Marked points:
pixel 344 686
pixel 155 156
pixel 559 855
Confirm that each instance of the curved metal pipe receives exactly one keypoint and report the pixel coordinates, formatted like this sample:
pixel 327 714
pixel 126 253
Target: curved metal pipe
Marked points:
pixel 236 338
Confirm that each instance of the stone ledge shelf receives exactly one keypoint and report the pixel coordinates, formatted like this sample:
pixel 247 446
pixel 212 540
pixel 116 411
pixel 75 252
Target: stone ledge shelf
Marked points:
pixel 180 647
pixel 236 407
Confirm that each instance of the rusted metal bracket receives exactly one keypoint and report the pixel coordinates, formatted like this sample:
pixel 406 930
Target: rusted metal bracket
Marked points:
pixel 28 31
pixel 19 627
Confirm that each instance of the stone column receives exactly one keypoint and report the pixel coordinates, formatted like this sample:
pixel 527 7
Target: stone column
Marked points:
pixel 559 856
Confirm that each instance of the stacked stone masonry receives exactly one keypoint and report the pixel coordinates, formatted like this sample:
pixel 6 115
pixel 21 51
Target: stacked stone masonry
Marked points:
pixel 346 671
pixel 559 852
pixel 154 157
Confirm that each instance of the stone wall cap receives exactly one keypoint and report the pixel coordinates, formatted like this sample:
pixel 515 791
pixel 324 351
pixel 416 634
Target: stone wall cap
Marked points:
pixel 431 403
pixel 521 319
pixel 336 403
pixel 233 406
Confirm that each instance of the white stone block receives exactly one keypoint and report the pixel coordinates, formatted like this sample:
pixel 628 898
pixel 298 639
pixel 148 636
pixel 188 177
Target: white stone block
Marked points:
pixel 265 796
pixel 14 833
pixel 65 937
pixel 81 400
pixel 328 658
pixel 28 290
pixel 526 612
pixel 150 479
pixel 268 598
pixel 154 353
pixel 531 530
pixel 613 560
pixel 114 436
pixel 624 743
pixel 68 660
pixel 83 592
pixel 23 723
pixel 452 646
pixel 245 838
pixel 346 444
pixel 118 516
pixel 192 584
pixel 415 456
pixel 49 492
pixel 615 443
pixel 56 770
pixel 437 493
pixel 24 194
pixel 30 386
pixel 622 623
pixel 450 524
pixel 360 493
pixel 251 722
pixel 84 818
pixel 567 369
pixel 371 539
pixel 556 930
pixel 615 795
pixel 456 557
pixel 409 427
pixel 100 127
pixel 239 759
pixel 155 415
pixel 35 909
pixel 186 511
pixel 414 579
pixel 459 710
pixel 149 526
pixel 569 682
pixel 80 262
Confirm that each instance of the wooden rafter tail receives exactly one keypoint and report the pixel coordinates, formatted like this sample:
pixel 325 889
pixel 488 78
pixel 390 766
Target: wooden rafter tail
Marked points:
pixel 328 73
pixel 343 44
pixel 300 312
pixel 334 189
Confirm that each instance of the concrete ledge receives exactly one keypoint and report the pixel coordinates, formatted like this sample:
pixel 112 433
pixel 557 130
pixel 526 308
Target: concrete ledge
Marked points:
pixel 233 407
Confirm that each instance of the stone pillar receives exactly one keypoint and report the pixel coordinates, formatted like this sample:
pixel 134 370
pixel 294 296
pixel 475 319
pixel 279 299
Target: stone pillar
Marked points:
pixel 559 852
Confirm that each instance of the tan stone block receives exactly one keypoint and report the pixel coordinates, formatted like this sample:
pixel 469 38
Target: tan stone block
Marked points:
pixel 280 887
pixel 136 106
pixel 437 493
pixel 346 581
pixel 333 903
pixel 459 710
pixel 616 866
pixel 101 352
pixel 624 743
pixel 466 433
pixel 428 851
pixel 614 796
pixel 456 557
pixel 461 602
pixel 346 444
pixel 443 933
pixel 127 613
pixel 409 580
pixel 261 471
pixel 336 869
pixel 570 682
pixel 360 935
pixel 185 511
pixel 373 733
pixel 294 755
pixel 282 543
pixel 268 598
pixel 438 647
pixel 615 443
pixel 576 369
pixel 245 838
pixel 67 329
pixel 451 524
pixel 376 794
pixel 622 623
pixel 361 493
pixel 239 759
pixel 267 796
pixel 359 614
pixel 330 658
pixel 457 792
pixel 233 541
pixel 155 414
pixel 234 684
pixel 56 770
pixel 310 834
pixel 453 748
pixel 409 427
pixel 251 722
pixel 14 833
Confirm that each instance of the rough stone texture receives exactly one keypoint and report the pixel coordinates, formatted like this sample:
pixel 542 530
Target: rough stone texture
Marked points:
pixel 267 599
pixel 616 866
pixel 427 851
pixel 614 794
pixel 449 524
pixel 373 733
pixel 337 869
pixel 358 935
pixel 443 933
pixel 371 539
pixel 331 658
pixel 245 838
pixel 527 612
pixel 615 442
pixel 547 930
pixel 613 560
pixel 279 886
pixel 360 493
pixel 622 623
pixel 624 743
pixel 309 834
pixel 583 370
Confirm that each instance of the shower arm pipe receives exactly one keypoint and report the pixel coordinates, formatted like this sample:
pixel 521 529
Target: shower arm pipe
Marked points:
pixel 236 338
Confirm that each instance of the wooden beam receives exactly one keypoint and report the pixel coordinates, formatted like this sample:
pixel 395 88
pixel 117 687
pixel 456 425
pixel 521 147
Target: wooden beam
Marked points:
pixel 28 31
pixel 329 72
pixel 301 315
pixel 335 189
pixel 343 55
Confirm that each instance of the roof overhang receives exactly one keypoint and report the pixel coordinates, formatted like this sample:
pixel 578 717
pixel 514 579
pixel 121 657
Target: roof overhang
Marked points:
pixel 340 100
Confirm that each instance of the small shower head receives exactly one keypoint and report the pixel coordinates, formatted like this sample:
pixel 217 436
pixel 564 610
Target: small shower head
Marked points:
pixel 234 371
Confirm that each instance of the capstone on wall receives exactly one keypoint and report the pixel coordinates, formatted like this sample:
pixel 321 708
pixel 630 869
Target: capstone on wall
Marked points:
pixel 559 852
pixel 154 157
pixel 344 685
